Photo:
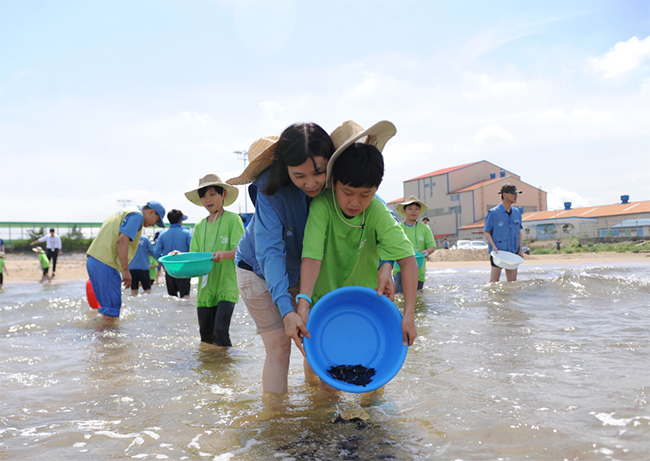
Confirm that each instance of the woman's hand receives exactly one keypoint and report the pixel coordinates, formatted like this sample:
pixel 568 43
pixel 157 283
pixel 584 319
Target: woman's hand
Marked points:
pixel 295 327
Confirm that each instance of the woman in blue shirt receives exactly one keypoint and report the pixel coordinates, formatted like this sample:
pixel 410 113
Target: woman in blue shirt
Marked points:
pixel 286 173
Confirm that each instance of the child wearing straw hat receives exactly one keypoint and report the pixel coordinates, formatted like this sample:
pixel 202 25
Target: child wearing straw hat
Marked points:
pixel 45 264
pixel 3 268
pixel 349 230
pixel 419 234
pixel 218 233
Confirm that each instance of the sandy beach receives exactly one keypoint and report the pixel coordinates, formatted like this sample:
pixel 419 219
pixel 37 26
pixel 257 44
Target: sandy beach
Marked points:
pixel 25 268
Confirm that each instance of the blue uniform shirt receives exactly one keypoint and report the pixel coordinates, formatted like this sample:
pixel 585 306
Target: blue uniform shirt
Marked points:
pixel 141 259
pixel 504 228
pixel 174 238
pixel 272 241
pixel 132 224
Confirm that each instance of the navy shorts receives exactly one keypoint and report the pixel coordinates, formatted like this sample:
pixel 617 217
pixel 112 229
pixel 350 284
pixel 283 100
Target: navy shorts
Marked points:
pixel 140 276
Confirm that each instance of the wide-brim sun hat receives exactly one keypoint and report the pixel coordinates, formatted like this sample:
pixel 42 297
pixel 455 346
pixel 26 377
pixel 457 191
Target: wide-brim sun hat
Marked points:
pixel 2 255
pixel 38 250
pixel 213 180
pixel 260 157
pixel 350 132
pixel 412 199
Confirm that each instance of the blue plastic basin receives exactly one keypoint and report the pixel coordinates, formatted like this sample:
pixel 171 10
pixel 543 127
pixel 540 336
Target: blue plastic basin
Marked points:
pixel 351 326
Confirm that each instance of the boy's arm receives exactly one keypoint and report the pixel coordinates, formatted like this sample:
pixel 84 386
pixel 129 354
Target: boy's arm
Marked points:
pixel 410 285
pixel 295 322
pixel 123 253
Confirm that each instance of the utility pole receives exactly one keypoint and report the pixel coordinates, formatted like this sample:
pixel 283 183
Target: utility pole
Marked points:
pixel 243 155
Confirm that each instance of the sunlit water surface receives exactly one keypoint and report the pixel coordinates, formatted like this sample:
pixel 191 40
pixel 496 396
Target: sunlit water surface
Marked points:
pixel 555 366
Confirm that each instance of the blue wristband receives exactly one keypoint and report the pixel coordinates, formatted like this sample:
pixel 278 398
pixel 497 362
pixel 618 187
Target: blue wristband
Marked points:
pixel 305 297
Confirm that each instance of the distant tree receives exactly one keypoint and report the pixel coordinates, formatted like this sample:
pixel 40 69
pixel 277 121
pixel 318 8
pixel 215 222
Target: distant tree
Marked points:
pixel 567 228
pixel 75 233
pixel 34 234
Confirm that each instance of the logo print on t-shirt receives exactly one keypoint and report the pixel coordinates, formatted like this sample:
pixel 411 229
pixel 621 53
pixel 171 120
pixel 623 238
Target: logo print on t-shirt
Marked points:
pixel 225 239
pixel 362 243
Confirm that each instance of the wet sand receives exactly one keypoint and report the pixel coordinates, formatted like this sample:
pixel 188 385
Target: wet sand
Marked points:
pixel 25 268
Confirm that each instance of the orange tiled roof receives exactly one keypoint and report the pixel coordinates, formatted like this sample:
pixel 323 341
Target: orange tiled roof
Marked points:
pixel 480 184
pixel 443 171
pixel 617 209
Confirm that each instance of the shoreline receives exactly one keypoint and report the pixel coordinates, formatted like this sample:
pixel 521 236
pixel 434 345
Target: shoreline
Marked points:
pixel 72 267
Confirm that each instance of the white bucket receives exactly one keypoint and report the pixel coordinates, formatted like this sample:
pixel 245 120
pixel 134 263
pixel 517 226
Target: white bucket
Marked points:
pixel 506 260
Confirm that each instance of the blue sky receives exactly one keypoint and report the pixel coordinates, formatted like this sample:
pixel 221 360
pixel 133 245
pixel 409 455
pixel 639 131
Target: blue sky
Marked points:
pixel 109 100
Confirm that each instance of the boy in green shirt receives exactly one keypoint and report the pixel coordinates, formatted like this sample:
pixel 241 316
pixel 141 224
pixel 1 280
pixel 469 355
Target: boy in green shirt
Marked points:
pixel 419 234
pixel 45 264
pixel 3 269
pixel 218 234
pixel 349 230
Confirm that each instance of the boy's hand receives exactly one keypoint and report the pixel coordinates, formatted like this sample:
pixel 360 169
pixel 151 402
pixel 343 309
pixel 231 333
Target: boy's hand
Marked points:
pixel 217 256
pixel 295 329
pixel 175 252
pixel 126 278
pixel 409 332
pixel 385 283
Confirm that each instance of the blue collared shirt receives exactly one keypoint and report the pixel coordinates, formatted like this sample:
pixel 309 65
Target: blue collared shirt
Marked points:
pixel 504 228
pixel 141 259
pixel 272 242
pixel 174 238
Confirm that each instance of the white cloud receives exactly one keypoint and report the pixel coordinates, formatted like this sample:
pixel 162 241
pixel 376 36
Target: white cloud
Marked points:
pixel 556 198
pixel 584 114
pixel 551 116
pixel 482 85
pixel 195 117
pixel 624 57
pixel 494 136
pixel 271 108
pixel 592 115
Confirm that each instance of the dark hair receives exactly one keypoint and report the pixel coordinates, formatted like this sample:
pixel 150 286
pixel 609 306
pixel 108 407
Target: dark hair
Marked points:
pixel 416 204
pixel 360 165
pixel 51 229
pixel 174 216
pixel 204 190
pixel 297 143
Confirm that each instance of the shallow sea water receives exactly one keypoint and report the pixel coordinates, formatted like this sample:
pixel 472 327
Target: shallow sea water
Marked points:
pixel 555 366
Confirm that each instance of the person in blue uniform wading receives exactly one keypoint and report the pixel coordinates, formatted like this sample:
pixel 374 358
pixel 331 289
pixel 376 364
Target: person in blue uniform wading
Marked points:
pixel 503 230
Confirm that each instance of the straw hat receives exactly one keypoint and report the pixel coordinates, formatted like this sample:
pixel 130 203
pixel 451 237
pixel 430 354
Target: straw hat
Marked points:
pixel 350 132
pixel 260 157
pixel 212 180
pixel 38 250
pixel 2 254
pixel 412 199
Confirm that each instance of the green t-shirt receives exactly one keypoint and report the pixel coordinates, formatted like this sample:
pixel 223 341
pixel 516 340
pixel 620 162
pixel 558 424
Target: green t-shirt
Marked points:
pixel 222 235
pixel 350 255
pixel 152 270
pixel 421 237
pixel 2 263
pixel 45 263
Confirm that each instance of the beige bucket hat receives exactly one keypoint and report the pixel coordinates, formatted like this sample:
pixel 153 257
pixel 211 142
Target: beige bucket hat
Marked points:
pixel 38 250
pixel 260 157
pixel 412 199
pixel 212 180
pixel 350 132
